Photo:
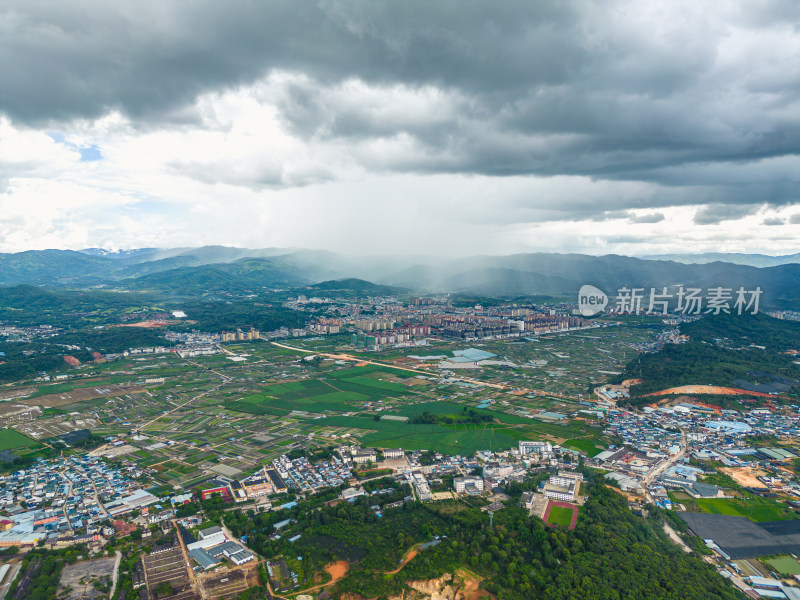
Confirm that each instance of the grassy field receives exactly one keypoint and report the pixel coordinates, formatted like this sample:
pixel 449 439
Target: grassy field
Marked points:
pixel 560 516
pixel 785 565
pixel 586 446
pixel 335 393
pixel 455 410
pixel 756 509
pixel 10 439
pixel 457 439
pixel 255 404
pixel 370 370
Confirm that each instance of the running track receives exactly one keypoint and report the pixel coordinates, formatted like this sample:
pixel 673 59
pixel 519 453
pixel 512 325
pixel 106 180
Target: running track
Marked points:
pixel 552 503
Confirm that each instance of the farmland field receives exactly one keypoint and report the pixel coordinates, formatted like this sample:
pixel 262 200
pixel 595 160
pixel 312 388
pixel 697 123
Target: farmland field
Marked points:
pixel 757 509
pixel 459 439
pixel 10 439
pixel 337 394
pixel 785 565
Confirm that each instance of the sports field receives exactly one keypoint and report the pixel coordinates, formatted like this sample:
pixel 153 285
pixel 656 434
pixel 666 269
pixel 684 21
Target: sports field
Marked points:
pixel 10 439
pixel 785 565
pixel 561 513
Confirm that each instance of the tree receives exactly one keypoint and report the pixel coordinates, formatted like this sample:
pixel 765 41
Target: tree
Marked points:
pixel 164 589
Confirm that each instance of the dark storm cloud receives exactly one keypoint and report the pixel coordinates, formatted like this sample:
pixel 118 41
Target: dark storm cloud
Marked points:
pixel 508 88
pixel 716 213
pixel 80 59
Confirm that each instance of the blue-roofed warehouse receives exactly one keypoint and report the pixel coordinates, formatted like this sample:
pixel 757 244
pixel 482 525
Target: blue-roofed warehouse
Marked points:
pixel 473 354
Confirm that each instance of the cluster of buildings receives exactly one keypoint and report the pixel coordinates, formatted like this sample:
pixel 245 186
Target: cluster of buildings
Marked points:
pixel 421 486
pixel 212 546
pixel 58 499
pixel 14 333
pixel 475 327
pixel 264 482
pixel 517 323
pixel 239 335
pixel 192 338
pixel 471 485
pixel 304 476
pixel 298 474
pixel 653 441
pixel 367 325
pixel 325 326
pixel 546 323
pixel 192 351
pixel 393 337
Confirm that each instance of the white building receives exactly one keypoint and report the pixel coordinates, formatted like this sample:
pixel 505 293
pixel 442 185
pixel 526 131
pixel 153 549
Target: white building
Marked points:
pixel 421 485
pixel 543 449
pixel 528 498
pixel 393 453
pixel 365 455
pixel 460 483
pixel 352 493
pixel 562 487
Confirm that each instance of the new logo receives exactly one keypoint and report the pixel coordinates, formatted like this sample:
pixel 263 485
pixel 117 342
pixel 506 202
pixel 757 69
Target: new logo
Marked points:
pixel 591 300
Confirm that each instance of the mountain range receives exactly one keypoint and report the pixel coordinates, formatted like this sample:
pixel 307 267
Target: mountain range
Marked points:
pixel 220 269
pixel 750 260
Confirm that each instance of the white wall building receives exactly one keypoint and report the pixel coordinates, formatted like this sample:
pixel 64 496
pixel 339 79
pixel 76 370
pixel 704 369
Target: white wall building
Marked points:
pixel 460 483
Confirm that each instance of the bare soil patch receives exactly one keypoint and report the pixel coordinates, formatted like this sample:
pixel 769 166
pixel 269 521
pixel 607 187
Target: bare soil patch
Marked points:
pixel 337 570
pixel 744 476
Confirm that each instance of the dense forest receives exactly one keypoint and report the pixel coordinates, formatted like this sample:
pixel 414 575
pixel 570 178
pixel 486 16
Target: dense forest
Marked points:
pixel 697 363
pixel 216 316
pixel 740 351
pixel 776 335
pixel 114 339
pixel 45 567
pixel 468 417
pixel 612 554
pixel 83 319
pixel 24 361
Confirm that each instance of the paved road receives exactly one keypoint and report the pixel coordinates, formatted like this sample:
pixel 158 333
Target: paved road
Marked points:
pixel 676 538
pixel 115 576
pixel 10 576
pixel 664 465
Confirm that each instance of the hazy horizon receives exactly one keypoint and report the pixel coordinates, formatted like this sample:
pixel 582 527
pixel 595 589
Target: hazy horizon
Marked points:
pixel 409 256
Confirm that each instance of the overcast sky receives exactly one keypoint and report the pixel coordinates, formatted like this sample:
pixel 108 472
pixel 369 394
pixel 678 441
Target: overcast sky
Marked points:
pixel 460 127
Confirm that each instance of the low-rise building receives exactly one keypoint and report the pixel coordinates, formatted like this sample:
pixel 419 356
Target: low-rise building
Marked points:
pixel 460 484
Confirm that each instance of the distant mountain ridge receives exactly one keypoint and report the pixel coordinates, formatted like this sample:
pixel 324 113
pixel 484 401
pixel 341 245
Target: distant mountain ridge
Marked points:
pixel 213 269
pixel 359 286
pixel 750 260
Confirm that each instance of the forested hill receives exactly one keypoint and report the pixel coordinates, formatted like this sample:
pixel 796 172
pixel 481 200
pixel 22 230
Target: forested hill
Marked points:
pixel 612 554
pixel 776 335
pixel 738 351
pixel 354 286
